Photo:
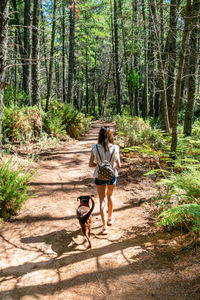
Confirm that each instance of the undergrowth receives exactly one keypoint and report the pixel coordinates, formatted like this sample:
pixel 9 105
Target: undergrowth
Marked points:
pixel 178 201
pixel 14 188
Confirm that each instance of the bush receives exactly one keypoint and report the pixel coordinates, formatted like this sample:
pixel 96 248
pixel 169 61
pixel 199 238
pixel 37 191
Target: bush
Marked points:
pixel 62 120
pixel 135 131
pixel 13 188
pixel 20 124
pixel 186 184
pixel 185 216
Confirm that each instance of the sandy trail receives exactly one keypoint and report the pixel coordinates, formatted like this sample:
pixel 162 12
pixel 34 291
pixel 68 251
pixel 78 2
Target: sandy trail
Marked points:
pixel 42 251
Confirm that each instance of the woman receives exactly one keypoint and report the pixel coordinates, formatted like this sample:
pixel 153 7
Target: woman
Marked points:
pixel 107 151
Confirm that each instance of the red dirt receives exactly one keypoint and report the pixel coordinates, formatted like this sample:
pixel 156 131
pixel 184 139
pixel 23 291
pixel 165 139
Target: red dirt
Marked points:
pixel 43 254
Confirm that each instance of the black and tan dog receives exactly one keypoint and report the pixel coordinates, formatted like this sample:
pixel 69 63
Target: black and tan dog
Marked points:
pixel 83 213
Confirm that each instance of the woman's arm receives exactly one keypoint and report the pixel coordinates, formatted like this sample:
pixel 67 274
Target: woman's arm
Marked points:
pixel 117 160
pixel 92 164
pixel 118 164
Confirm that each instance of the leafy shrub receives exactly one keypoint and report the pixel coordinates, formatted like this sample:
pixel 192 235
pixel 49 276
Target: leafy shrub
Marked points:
pixel 62 120
pixel 20 124
pixel 13 188
pixel 186 184
pixel 15 97
pixel 187 215
pixel 135 131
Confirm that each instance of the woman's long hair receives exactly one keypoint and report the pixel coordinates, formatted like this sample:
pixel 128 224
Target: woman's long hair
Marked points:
pixel 105 137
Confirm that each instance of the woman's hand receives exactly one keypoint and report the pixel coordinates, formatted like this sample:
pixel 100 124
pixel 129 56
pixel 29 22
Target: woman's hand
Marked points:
pixel 92 164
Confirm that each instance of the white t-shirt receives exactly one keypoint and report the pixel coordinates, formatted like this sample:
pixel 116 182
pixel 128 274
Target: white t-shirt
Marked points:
pixel 105 156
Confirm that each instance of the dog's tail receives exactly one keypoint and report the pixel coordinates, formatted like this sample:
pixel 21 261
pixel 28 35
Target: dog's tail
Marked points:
pixel 86 216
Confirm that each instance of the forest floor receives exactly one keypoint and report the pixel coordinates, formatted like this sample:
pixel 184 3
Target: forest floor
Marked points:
pixel 42 254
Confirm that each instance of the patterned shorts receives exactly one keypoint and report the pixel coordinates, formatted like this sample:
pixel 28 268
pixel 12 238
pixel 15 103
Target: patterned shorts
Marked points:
pixel 108 182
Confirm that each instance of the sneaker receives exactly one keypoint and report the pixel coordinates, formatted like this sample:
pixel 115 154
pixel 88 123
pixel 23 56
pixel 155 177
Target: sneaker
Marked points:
pixel 104 231
pixel 111 221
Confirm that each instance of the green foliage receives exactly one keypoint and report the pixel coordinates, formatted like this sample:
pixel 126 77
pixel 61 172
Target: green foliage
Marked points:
pixel 187 215
pixel 20 124
pixel 63 120
pixel 14 97
pixel 133 78
pixel 187 184
pixel 135 131
pixel 13 188
pixel 24 124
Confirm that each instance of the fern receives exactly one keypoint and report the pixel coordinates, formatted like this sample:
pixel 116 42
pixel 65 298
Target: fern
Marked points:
pixel 13 188
pixel 187 214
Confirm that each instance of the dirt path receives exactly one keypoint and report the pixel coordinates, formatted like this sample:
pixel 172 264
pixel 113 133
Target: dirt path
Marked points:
pixel 42 251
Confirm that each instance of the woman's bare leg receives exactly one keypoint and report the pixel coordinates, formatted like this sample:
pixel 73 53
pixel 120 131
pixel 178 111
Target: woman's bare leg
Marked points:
pixel 101 189
pixel 110 200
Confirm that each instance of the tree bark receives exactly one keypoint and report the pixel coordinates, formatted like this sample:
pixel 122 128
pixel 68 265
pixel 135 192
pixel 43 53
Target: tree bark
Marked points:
pixel 44 48
pixel 51 56
pixel 63 54
pixel 118 88
pixel 36 55
pixel 171 57
pixel 193 59
pixel 4 8
pixel 113 49
pixel 151 63
pixel 135 14
pixel 127 69
pixel 162 75
pixel 178 80
pixel 27 47
pixel 145 90
pixel 71 51
pixel 86 79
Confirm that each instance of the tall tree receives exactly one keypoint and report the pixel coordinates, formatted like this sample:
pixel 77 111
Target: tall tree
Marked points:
pixel 63 53
pixel 51 56
pixel 178 79
pixel 135 17
pixel 193 59
pixel 116 41
pixel 145 90
pixel 160 62
pixel 172 56
pixel 26 55
pixel 4 8
pixel 151 61
pixel 71 60
pixel 36 55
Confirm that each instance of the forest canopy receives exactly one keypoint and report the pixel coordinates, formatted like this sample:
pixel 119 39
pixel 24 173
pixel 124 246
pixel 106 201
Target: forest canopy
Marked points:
pixel 105 58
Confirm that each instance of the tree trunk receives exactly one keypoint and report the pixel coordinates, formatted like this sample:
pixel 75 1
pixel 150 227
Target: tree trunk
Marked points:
pixel 151 63
pixel 27 47
pixel 130 94
pixel 71 51
pixel 87 80
pixel 162 75
pixel 4 8
pixel 44 48
pixel 63 54
pixel 135 14
pixel 193 59
pixel 178 80
pixel 51 56
pixel 57 76
pixel 117 58
pixel 171 57
pixel 36 55
pixel 145 90
pixel 113 49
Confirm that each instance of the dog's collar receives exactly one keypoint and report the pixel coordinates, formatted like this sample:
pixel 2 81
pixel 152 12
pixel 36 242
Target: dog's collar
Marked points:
pixel 82 204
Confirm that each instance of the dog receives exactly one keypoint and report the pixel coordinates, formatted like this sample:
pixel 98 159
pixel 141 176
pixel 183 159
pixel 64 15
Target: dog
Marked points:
pixel 83 213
